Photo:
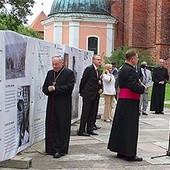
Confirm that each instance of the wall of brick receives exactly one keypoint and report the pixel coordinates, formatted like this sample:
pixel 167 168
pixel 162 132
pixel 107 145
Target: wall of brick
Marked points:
pixel 116 11
pixel 146 26
pixel 163 28
pixel 139 35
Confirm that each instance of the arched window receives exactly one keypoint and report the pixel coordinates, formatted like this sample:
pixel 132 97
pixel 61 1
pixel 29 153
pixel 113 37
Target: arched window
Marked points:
pixel 93 44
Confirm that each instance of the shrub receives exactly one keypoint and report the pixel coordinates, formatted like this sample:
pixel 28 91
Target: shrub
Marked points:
pixel 118 56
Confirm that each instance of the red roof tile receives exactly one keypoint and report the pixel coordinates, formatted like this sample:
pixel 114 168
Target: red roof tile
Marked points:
pixel 36 25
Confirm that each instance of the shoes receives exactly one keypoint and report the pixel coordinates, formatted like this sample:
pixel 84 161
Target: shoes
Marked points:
pixel 133 158
pixel 107 120
pixel 91 133
pixel 48 153
pixel 143 113
pixel 98 117
pixel 58 155
pixel 82 134
pixel 159 112
pixel 129 158
pixel 119 155
pixel 96 127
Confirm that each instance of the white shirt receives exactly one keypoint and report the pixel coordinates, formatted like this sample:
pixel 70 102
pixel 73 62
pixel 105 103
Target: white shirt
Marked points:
pixel 147 79
pixel 108 84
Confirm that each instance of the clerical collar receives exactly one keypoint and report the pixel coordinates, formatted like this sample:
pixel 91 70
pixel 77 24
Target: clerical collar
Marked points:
pixel 130 64
pixel 57 72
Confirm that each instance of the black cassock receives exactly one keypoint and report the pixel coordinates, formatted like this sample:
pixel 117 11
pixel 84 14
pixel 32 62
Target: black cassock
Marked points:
pixel 124 132
pixel 158 90
pixel 58 113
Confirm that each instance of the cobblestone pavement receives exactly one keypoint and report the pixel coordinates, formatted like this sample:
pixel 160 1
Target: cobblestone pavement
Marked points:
pixel 91 152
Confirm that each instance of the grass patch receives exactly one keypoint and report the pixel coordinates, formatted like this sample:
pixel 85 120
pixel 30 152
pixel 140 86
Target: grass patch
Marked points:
pixel 167 105
pixel 167 92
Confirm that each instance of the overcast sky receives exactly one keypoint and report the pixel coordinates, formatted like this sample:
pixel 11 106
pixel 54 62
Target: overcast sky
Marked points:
pixel 38 7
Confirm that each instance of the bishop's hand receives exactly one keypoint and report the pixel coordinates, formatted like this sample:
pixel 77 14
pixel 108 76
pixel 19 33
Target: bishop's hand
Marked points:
pixel 51 88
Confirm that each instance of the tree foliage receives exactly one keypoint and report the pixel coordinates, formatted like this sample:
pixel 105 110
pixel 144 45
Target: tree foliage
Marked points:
pixel 16 9
pixel 13 15
pixel 118 56
pixel 4 25
pixel 28 31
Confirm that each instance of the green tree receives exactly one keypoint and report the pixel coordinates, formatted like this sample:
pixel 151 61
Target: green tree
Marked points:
pixel 18 28
pixel 145 56
pixel 13 15
pixel 18 10
pixel 28 31
pixel 8 23
pixel 118 56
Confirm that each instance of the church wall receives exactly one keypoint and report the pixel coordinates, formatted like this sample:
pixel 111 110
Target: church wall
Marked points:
pixel 74 34
pixel 139 14
pixel 65 33
pixel 146 26
pixel 163 28
pixel 151 22
pixel 116 11
pixel 49 32
pixel 95 29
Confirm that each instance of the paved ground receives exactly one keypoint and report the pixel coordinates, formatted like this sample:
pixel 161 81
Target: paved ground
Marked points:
pixel 91 153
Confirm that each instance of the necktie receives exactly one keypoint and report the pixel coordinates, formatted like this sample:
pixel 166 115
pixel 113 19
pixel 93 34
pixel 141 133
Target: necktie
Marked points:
pixel 145 73
pixel 97 72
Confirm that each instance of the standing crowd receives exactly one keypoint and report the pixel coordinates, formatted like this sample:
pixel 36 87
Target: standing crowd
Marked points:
pixel 125 89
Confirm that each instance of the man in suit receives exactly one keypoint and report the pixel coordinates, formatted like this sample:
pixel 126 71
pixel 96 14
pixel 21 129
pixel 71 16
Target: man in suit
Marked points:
pixel 90 89
pixel 147 81
pixel 138 70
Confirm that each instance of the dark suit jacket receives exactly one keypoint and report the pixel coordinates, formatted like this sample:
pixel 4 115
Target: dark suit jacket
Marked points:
pixel 138 70
pixel 89 85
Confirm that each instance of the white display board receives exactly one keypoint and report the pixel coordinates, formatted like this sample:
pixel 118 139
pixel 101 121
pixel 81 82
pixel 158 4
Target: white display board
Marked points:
pixel 24 62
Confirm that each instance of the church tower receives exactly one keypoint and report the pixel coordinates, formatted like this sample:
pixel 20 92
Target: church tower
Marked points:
pixel 85 24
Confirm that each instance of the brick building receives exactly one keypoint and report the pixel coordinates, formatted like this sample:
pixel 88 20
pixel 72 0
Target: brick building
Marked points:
pixel 36 25
pixel 143 24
